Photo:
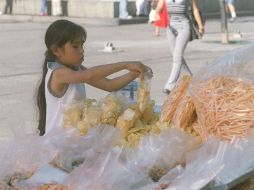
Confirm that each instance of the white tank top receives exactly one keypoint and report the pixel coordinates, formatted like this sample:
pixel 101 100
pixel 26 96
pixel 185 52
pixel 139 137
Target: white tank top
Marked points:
pixel 55 106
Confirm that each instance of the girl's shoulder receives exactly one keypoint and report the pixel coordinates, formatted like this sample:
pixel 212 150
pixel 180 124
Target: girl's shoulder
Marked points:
pixel 54 65
pixel 57 66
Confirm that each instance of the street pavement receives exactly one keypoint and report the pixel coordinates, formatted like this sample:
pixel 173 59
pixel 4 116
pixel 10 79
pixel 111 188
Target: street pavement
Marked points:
pixel 22 48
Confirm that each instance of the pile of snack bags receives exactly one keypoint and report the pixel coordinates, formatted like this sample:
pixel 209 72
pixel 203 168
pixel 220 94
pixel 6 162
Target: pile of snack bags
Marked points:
pixel 204 132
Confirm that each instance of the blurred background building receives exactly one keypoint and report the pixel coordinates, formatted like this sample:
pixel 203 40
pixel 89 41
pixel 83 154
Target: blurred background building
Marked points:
pixel 110 8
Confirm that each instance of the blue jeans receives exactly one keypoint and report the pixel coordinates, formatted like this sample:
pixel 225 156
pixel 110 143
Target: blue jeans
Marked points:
pixel 43 7
pixel 123 13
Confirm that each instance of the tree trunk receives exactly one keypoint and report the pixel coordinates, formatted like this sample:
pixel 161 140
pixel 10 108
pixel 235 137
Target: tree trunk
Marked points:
pixel 224 27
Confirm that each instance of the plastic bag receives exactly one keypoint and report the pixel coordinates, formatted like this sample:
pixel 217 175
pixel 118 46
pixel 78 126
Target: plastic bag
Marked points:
pixel 152 14
pixel 73 113
pixel 23 155
pixel 159 153
pixel 143 94
pixel 223 95
pixel 112 107
pixel 202 165
pixel 239 158
pixel 73 149
pixel 107 172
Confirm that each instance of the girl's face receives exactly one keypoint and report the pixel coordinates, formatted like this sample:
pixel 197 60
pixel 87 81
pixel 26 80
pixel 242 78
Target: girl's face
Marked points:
pixel 72 53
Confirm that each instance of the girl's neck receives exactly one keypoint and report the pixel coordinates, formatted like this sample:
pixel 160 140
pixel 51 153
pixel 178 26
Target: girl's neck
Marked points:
pixel 71 67
pixel 75 68
pixel 65 65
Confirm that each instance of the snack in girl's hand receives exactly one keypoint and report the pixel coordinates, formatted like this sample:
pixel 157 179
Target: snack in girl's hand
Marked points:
pixel 143 94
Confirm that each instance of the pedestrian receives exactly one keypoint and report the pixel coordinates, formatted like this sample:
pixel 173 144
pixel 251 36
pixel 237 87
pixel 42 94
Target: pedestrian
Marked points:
pixel 43 7
pixel 163 20
pixel 231 9
pixel 178 34
pixel 63 76
pixel 49 7
pixel 64 5
pixel 123 10
pixel 8 7
pixel 56 7
pixel 141 8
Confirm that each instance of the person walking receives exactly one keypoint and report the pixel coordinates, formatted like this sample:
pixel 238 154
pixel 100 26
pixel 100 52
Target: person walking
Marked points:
pixel 163 21
pixel 231 9
pixel 141 8
pixel 178 34
pixel 8 7
pixel 123 10
pixel 43 7
pixel 64 5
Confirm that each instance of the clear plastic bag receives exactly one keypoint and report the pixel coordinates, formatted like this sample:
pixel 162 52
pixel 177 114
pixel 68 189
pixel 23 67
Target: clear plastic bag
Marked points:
pixel 223 95
pixel 201 167
pixel 73 149
pixel 143 94
pixel 112 107
pixel 106 172
pixel 239 158
pixel 157 154
pixel 23 155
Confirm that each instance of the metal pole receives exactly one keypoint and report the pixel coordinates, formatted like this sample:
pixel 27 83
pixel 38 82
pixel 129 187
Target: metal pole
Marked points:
pixel 224 27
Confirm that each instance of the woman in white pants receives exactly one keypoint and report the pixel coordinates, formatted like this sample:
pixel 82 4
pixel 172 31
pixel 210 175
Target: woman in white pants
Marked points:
pixel 178 34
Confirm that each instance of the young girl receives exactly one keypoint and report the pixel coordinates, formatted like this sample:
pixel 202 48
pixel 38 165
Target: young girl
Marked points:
pixel 63 73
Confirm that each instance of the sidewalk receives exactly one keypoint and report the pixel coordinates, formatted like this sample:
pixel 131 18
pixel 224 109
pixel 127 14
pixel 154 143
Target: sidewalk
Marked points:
pixel 22 49
pixel 90 21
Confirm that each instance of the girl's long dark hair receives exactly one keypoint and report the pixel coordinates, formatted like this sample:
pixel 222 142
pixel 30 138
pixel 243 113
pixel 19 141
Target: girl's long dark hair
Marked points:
pixel 58 33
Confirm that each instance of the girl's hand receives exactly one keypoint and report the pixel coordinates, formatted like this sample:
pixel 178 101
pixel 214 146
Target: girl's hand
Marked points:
pixel 139 68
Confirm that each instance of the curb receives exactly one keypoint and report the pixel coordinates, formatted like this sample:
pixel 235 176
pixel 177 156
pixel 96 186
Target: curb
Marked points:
pixel 89 21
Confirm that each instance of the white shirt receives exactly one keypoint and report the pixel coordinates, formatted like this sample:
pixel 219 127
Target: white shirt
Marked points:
pixel 55 106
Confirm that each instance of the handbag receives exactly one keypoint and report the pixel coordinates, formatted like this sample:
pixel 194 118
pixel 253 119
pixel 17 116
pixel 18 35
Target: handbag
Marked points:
pixel 152 16
pixel 194 31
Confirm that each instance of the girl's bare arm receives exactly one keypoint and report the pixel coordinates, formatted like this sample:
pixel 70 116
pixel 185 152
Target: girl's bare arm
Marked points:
pixel 115 84
pixel 96 76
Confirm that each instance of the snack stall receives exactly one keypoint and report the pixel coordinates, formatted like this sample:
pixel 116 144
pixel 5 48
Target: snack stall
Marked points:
pixel 201 138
